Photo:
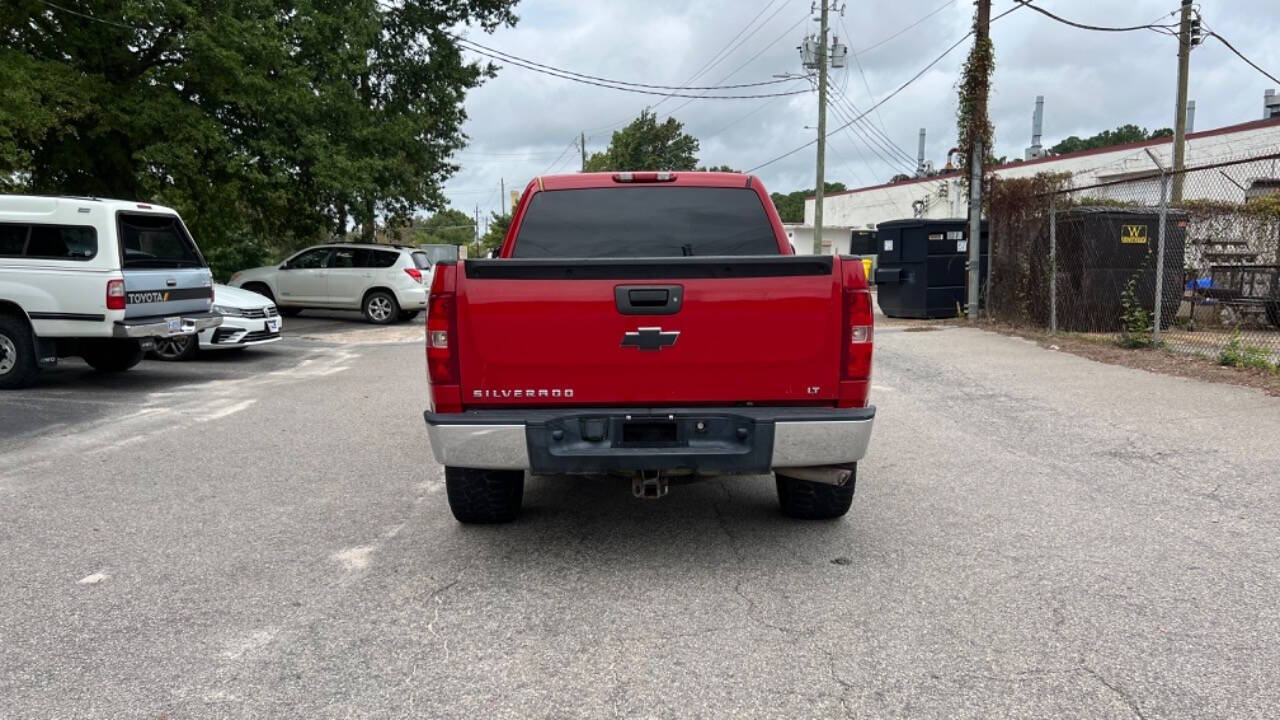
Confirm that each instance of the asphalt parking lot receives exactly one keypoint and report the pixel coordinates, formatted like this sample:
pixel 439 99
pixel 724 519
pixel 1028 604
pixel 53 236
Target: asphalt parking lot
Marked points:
pixel 266 535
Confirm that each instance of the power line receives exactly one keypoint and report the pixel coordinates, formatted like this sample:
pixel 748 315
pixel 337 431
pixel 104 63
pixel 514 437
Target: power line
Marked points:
pixel 886 98
pixel 931 13
pixel 472 45
pixel 858 63
pixel 874 144
pixel 1240 55
pixel 752 59
pixel 95 19
pixel 507 154
pixel 879 136
pixel 1158 28
pixel 556 162
pixel 627 88
pixel 723 51
pixel 890 162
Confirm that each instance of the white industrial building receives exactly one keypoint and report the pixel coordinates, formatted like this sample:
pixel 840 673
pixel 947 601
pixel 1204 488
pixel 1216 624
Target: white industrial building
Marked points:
pixel 945 196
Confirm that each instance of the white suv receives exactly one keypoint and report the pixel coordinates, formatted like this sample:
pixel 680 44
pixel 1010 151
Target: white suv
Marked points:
pixel 99 279
pixel 385 282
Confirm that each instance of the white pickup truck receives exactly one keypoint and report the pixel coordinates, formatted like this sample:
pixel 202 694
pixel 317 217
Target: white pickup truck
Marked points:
pixel 98 279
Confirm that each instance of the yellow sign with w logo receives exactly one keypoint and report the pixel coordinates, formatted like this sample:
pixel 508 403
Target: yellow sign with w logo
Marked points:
pixel 1133 234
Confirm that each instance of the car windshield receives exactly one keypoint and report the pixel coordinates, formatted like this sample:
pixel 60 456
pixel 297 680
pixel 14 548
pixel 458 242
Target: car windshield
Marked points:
pixel 645 222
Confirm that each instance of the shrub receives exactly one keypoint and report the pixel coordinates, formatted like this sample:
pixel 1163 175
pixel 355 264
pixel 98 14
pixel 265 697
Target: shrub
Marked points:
pixel 1136 324
pixel 238 255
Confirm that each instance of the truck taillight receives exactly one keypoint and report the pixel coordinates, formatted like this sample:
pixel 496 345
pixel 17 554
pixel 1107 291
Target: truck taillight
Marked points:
pixel 442 340
pixel 115 294
pixel 857 356
pixel 858 331
pixel 414 273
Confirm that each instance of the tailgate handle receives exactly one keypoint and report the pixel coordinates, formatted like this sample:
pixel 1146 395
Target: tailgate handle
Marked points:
pixel 648 299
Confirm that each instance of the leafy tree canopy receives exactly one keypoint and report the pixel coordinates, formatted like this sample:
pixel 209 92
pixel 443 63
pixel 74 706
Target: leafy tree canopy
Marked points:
pixel 266 119
pixel 646 144
pixel 791 206
pixel 1108 138
pixel 447 227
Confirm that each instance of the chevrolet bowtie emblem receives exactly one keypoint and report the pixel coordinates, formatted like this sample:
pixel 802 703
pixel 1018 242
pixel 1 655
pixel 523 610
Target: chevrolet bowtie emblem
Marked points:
pixel 650 338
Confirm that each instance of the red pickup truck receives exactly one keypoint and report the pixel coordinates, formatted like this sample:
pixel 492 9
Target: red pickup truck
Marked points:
pixel 655 325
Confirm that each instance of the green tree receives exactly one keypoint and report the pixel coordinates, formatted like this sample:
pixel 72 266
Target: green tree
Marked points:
pixel 719 168
pixel 791 206
pixel 255 119
pixel 1108 138
pixel 646 144
pixel 493 235
pixel 447 227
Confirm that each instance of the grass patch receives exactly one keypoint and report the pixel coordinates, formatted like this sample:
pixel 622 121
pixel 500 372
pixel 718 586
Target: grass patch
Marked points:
pixel 1239 355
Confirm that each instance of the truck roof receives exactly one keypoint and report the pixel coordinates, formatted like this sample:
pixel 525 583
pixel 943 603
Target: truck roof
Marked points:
pixel 53 205
pixel 686 178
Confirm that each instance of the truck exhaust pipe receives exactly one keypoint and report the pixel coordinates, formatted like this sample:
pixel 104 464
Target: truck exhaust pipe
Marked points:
pixel 825 475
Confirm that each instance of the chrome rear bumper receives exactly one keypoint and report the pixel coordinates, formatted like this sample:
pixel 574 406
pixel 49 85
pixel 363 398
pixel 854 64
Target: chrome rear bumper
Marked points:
pixel 165 326
pixel 799 437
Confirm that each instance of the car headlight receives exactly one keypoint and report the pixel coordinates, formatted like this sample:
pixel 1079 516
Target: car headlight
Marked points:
pixel 228 311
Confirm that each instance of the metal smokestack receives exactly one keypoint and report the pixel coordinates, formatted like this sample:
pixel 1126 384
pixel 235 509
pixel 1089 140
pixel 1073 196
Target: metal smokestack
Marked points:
pixel 1191 116
pixel 1270 105
pixel 920 156
pixel 1037 128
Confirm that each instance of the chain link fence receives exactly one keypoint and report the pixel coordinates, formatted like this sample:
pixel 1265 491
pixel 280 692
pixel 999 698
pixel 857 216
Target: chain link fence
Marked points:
pixel 1186 261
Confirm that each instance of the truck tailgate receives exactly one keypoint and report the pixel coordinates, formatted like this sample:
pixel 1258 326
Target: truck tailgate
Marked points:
pixel 164 273
pixel 669 332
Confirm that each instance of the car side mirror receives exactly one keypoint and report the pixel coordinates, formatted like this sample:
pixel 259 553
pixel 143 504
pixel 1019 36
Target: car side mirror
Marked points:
pixel 286 266
pixel 492 254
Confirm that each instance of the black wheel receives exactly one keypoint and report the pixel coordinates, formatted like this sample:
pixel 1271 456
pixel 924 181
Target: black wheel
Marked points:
pixel 407 315
pixel 261 289
pixel 289 311
pixel 381 308
pixel 178 347
pixel 484 496
pixel 1273 313
pixel 18 368
pixel 113 355
pixel 815 501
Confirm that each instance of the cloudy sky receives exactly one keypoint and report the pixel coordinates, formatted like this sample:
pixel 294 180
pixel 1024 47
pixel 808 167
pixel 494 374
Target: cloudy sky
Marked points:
pixel 522 124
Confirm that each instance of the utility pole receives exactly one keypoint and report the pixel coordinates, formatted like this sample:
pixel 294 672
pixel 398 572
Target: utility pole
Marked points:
pixel 978 120
pixel 1180 113
pixel 821 184
pixel 502 193
pixel 815 54
pixel 477 225
pixel 582 139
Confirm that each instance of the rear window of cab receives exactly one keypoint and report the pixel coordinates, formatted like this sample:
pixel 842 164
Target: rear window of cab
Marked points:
pixel 49 242
pixel 645 222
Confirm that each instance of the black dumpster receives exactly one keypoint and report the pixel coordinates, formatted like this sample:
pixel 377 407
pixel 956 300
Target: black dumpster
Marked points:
pixel 920 267
pixel 1101 250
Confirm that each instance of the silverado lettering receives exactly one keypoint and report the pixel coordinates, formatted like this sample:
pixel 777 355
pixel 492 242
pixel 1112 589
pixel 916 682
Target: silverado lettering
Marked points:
pixel 697 343
pixel 527 393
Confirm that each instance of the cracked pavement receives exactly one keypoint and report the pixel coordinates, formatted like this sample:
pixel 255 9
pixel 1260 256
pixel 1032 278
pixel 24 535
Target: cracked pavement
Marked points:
pixel 1034 535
